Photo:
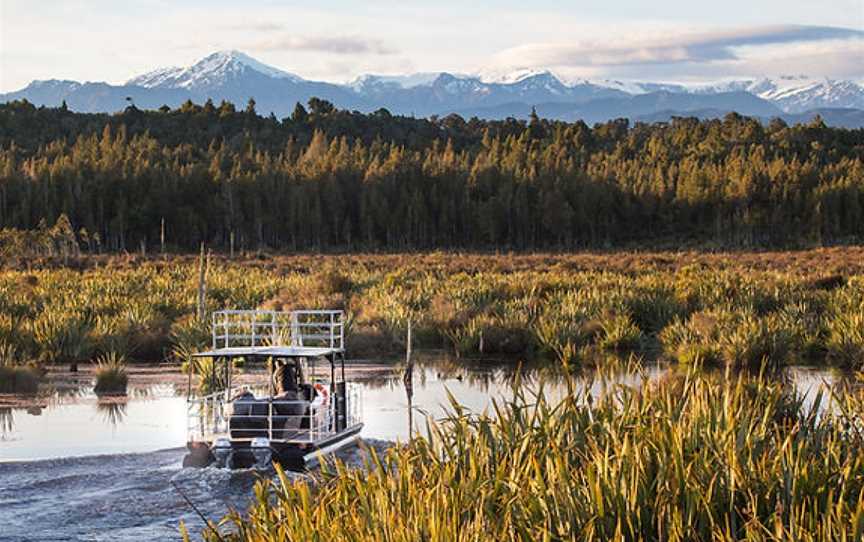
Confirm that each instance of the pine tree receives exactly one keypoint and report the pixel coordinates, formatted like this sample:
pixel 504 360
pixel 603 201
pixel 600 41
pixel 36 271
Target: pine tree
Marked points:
pixel 299 116
pixel 535 125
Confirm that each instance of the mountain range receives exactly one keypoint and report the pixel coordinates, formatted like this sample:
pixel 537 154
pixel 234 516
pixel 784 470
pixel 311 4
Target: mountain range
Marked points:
pixel 237 77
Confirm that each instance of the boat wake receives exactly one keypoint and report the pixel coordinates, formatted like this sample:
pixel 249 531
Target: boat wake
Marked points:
pixel 117 497
pixel 127 497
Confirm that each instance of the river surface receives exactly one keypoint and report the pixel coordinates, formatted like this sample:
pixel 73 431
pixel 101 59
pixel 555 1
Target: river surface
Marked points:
pixel 74 467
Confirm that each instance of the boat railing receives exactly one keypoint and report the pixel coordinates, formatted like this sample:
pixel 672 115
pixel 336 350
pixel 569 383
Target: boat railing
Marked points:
pixel 215 415
pixel 354 412
pixel 207 415
pixel 252 328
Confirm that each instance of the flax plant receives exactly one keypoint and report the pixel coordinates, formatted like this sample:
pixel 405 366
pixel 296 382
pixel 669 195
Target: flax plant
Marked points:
pixel 737 316
pixel 691 457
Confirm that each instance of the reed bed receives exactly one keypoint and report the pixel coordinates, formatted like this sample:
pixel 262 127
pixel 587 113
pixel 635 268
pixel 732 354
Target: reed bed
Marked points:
pixel 739 317
pixel 15 376
pixel 691 457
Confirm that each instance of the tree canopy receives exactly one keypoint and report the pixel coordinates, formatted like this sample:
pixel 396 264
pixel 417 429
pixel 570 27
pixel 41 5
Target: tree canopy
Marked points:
pixel 332 179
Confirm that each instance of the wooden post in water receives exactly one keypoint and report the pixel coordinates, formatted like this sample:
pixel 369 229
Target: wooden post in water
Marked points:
pixel 408 380
pixel 202 284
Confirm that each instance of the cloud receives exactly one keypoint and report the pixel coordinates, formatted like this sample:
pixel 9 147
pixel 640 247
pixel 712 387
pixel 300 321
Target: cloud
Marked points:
pixel 837 58
pixel 255 26
pixel 677 48
pixel 339 45
pixel 280 37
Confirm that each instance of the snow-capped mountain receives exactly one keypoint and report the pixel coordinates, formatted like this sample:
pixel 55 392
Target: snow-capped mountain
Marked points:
pixel 514 76
pixel 52 91
pixel 627 86
pixel 367 82
pixel 543 81
pixel 824 93
pixel 797 93
pixel 237 77
pixel 641 87
pixel 445 93
pixel 213 70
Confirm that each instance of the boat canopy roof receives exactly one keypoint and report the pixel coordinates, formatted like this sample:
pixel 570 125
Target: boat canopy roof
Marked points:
pixel 274 351
pixel 301 333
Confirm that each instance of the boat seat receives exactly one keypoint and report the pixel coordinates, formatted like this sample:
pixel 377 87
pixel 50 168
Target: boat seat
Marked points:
pixel 249 416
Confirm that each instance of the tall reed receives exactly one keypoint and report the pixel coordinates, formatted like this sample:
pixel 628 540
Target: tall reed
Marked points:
pixel 735 316
pixel 691 457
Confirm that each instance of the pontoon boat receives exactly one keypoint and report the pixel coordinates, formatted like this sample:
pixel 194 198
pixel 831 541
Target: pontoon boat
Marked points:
pixel 304 409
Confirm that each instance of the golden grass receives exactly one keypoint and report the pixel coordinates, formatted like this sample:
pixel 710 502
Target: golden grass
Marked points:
pixel 692 457
pixel 735 309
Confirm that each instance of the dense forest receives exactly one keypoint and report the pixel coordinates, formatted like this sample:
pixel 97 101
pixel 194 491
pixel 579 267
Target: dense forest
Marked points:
pixel 327 179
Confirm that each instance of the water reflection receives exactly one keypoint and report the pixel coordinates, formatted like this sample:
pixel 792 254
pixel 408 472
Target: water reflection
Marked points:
pixel 7 422
pixel 112 410
pixel 154 415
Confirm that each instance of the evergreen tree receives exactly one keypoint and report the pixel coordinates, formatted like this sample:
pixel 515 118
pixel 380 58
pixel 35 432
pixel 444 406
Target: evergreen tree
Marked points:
pixel 334 179
pixel 299 116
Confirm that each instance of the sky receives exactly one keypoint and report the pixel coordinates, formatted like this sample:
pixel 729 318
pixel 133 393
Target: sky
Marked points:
pixel 661 40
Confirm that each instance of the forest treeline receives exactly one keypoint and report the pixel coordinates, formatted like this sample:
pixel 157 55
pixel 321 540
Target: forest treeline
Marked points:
pixel 331 179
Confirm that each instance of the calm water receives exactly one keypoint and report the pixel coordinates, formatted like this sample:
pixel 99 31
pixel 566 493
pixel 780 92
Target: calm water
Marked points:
pixel 80 469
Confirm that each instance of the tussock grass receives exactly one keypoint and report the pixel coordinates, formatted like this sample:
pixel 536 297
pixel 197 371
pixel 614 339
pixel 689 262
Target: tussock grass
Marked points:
pixel 111 377
pixel 16 377
pixel 691 457
pixel 474 305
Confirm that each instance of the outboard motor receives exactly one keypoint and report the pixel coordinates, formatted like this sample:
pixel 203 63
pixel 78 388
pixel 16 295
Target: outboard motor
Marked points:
pixel 223 453
pixel 261 452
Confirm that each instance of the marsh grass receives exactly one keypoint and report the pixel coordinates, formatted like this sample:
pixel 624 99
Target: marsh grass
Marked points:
pixel 691 457
pixel 210 374
pixel 110 374
pixel 476 305
pixel 63 336
pixel 16 377
pixel 845 339
pixel 19 379
pixel 619 333
pixel 188 336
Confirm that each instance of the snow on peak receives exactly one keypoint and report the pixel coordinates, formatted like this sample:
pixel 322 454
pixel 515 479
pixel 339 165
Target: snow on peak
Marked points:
pixel 796 93
pixel 556 82
pixel 211 70
pixel 156 78
pixel 223 58
pixel 637 87
pixel 53 83
pixel 516 76
pixel 792 93
pixel 412 80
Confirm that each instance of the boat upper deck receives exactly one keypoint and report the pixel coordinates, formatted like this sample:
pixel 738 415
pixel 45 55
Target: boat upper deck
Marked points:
pixel 274 351
pixel 301 333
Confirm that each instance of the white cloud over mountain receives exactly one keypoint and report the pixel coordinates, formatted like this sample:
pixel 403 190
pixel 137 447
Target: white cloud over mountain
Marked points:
pixel 662 40
pixel 342 45
pixel 236 76
pixel 692 52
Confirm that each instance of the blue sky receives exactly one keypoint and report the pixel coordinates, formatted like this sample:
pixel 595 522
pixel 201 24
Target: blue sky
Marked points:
pixel 673 40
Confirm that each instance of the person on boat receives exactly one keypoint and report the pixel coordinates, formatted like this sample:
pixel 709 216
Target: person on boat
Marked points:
pixel 290 386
